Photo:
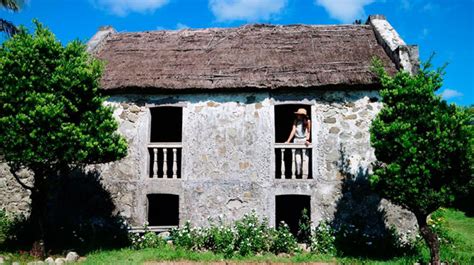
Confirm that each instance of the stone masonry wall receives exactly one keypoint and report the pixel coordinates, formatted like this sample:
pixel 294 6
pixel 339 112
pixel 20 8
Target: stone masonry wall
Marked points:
pixel 228 158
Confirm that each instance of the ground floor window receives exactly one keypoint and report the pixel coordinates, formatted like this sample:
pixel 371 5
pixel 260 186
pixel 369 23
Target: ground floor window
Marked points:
pixel 163 209
pixel 289 208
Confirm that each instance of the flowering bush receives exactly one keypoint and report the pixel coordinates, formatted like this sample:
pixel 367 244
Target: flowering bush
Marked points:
pixel 323 239
pixel 188 237
pixel 253 236
pixel 247 236
pixel 220 238
pixel 147 240
pixel 437 223
pixel 284 241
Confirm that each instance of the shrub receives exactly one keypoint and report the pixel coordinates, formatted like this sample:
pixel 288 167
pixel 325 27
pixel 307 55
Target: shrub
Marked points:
pixel 284 241
pixel 5 225
pixel 304 228
pixel 248 236
pixel 220 238
pixel 147 240
pixel 253 236
pixel 188 237
pixel 437 222
pixel 323 239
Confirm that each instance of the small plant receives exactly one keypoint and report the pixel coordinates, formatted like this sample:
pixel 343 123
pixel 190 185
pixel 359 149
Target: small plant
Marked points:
pixel 323 239
pixel 5 225
pixel 188 237
pixel 253 236
pixel 284 241
pixel 149 239
pixel 220 238
pixel 304 228
pixel 437 222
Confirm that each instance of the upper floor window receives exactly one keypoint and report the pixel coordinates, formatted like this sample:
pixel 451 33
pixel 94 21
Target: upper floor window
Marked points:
pixel 293 141
pixel 165 146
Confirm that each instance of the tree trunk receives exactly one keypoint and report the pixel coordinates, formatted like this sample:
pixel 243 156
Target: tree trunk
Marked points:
pixel 38 217
pixel 430 238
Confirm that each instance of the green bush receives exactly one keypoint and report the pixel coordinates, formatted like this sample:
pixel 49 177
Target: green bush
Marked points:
pixel 220 238
pixel 323 239
pixel 147 240
pixel 5 225
pixel 248 236
pixel 188 237
pixel 253 236
pixel 304 228
pixel 284 241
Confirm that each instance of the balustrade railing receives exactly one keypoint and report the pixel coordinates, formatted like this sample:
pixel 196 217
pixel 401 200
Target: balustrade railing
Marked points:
pixel 293 161
pixel 165 160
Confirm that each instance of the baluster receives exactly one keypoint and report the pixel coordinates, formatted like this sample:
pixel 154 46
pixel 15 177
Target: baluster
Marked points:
pixel 175 164
pixel 282 163
pixel 165 163
pixel 304 154
pixel 155 162
pixel 293 163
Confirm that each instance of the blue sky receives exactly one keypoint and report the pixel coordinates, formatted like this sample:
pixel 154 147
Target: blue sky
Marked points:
pixel 442 26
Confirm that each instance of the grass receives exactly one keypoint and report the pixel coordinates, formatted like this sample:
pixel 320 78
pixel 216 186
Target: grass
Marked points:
pixel 458 227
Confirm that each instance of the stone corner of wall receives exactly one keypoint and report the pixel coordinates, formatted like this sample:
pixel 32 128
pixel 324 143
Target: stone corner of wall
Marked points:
pixel 405 57
pixel 94 44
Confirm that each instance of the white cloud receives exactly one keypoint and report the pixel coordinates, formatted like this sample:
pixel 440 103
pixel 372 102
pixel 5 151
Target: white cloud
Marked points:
pixel 345 10
pixel 123 7
pixel 451 93
pixel 180 26
pixel 247 10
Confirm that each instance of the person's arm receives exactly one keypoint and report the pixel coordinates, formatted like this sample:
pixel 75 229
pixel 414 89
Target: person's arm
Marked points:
pixel 308 133
pixel 292 133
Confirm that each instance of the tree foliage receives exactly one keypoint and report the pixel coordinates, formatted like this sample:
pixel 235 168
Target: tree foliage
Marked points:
pixel 51 111
pixel 423 144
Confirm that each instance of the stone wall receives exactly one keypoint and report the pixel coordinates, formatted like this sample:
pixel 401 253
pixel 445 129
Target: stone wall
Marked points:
pixel 13 198
pixel 228 158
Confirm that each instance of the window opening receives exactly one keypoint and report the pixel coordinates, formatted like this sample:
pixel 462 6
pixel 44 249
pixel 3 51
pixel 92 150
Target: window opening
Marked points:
pixel 289 208
pixel 165 146
pixel 293 159
pixel 163 209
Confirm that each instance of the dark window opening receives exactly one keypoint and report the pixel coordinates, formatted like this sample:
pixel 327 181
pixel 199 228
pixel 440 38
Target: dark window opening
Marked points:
pixel 166 124
pixel 289 208
pixel 284 118
pixel 165 147
pixel 163 209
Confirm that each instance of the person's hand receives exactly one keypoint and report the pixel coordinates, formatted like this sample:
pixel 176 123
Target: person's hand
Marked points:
pixel 287 142
pixel 307 143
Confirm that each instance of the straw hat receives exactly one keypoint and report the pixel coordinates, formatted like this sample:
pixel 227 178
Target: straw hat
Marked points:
pixel 301 111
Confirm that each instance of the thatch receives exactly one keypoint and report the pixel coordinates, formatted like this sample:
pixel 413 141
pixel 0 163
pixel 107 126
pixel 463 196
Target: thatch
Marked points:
pixel 252 56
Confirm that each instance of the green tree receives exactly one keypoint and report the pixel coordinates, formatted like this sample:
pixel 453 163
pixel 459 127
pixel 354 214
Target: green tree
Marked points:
pixel 423 147
pixel 52 114
pixel 7 26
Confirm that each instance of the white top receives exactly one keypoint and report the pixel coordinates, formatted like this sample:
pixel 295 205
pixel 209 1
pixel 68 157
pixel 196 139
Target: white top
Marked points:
pixel 300 130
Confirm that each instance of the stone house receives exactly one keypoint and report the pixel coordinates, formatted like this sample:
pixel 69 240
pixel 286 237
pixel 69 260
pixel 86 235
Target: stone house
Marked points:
pixel 206 113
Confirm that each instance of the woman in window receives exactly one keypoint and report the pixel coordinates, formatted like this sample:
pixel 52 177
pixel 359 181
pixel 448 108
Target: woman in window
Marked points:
pixel 301 133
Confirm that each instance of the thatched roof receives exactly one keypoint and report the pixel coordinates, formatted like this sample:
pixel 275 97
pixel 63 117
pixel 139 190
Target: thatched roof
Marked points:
pixel 252 56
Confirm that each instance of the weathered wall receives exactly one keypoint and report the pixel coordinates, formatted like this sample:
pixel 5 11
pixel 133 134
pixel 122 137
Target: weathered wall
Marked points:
pixel 13 198
pixel 228 166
